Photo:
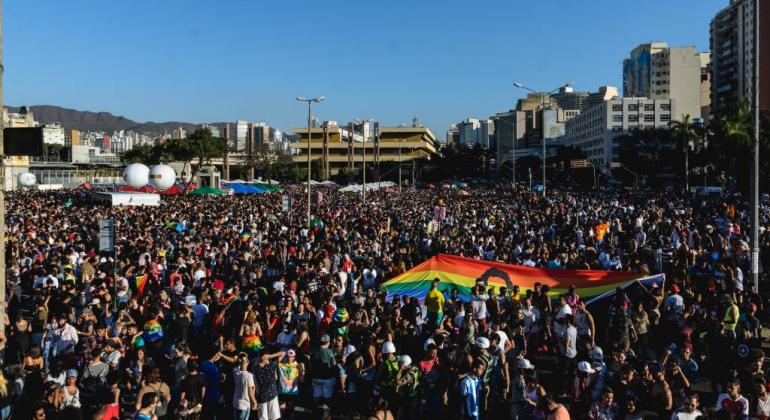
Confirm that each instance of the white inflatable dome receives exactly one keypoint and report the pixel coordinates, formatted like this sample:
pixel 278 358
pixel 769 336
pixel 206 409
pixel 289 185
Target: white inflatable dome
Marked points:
pixel 162 177
pixel 136 175
pixel 26 179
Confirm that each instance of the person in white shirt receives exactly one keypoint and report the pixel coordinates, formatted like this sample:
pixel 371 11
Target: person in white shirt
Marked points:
pixel 111 355
pixel 732 402
pixel 564 310
pixel 689 411
pixel 244 392
pixel 65 337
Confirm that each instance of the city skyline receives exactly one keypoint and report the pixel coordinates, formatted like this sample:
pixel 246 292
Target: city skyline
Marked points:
pixel 172 65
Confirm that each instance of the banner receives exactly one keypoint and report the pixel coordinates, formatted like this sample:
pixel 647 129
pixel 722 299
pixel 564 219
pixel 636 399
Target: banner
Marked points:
pixel 462 274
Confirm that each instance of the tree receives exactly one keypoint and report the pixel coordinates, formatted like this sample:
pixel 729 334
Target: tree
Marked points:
pixel 199 147
pixel 148 155
pixel 689 135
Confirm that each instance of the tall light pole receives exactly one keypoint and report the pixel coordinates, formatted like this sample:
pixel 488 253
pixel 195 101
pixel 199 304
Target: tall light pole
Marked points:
pixel 2 189
pixel 309 123
pixel 363 158
pixel 542 105
pixel 755 174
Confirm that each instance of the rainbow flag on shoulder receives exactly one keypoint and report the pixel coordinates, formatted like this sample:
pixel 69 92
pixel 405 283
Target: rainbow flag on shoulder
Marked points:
pixel 251 344
pixel 152 331
pixel 462 273
pixel 141 281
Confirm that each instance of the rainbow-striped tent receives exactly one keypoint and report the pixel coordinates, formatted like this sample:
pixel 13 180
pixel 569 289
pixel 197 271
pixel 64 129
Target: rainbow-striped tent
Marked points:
pixel 462 274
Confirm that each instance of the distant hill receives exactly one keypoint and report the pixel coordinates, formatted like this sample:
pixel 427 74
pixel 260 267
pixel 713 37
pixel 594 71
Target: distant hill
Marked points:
pixel 99 121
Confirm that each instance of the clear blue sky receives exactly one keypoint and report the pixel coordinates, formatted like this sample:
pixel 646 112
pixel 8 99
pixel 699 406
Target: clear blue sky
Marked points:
pixel 445 60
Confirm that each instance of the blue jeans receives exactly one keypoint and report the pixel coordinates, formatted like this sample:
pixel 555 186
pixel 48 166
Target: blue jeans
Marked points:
pixel 242 414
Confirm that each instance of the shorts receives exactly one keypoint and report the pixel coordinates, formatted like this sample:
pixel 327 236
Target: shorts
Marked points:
pixel 323 388
pixel 269 410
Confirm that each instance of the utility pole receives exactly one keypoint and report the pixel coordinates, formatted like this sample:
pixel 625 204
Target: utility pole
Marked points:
pixel 755 174
pixel 2 186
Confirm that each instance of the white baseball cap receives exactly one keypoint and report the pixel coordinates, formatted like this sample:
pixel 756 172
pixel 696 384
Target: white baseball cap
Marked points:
pixel 585 367
pixel 405 360
pixel 524 364
pixel 482 343
pixel 388 347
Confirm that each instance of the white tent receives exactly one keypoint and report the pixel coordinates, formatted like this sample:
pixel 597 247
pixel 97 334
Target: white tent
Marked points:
pixel 127 198
pixel 370 186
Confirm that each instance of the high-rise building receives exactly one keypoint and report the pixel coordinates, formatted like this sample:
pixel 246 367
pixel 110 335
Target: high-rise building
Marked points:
pixel 71 137
pixel 453 135
pixel 106 142
pixel 468 130
pixel 705 87
pixel 568 99
pixel 486 135
pixel 656 71
pixel 596 130
pixel 261 136
pixel 732 55
pixel 241 135
pixel 510 127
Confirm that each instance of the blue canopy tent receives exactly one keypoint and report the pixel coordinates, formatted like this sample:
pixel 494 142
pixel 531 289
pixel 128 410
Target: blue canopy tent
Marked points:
pixel 244 189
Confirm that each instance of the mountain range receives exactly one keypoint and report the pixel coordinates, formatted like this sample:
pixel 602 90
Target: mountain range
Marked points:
pixel 100 121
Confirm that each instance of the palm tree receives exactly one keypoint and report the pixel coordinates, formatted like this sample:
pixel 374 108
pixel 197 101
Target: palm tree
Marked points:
pixel 688 133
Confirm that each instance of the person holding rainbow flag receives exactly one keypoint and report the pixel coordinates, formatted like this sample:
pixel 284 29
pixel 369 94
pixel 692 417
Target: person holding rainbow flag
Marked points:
pixel 434 301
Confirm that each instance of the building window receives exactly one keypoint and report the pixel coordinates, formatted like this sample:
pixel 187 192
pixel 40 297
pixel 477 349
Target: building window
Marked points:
pixel 649 118
pixel 617 107
pixel 617 118
pixel 649 107
pixel 665 117
pixel 633 107
pixel 633 118
pixel 665 107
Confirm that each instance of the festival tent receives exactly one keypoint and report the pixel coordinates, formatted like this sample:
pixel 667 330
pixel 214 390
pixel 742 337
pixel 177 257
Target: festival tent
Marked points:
pixel 267 187
pixel 178 189
pixel 244 189
pixel 462 273
pixel 207 191
pixel 146 189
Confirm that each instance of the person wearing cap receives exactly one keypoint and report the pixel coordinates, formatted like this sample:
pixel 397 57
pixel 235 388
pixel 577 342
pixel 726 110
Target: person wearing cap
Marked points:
pixel 323 366
pixel 385 382
pixel 490 363
pixel 71 390
pixel 674 305
pixel 407 383
pixel 521 405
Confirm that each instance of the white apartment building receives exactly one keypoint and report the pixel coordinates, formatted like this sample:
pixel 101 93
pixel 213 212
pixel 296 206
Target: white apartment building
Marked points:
pixel 656 71
pixel 595 130
pixel 53 133
pixel 241 135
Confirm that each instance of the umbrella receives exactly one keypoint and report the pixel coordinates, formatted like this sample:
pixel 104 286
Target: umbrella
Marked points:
pixel 463 192
pixel 207 191
pixel 85 185
pixel 431 186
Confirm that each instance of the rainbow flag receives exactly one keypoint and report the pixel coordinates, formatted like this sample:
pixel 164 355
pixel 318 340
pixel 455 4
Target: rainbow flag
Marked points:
pixel 251 343
pixel 245 236
pixel 141 281
pixel 152 331
pixel 461 273
pixel 341 315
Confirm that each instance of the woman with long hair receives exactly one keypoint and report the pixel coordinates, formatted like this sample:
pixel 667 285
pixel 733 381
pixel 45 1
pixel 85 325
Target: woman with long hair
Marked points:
pixel 6 397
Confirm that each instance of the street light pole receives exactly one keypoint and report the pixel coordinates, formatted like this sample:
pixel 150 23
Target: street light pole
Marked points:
pixel 542 96
pixel 755 175
pixel 309 146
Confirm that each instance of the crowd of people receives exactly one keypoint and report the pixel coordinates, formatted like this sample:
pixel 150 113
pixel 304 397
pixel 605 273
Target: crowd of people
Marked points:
pixel 219 307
